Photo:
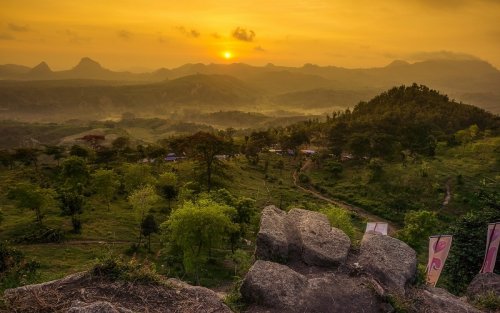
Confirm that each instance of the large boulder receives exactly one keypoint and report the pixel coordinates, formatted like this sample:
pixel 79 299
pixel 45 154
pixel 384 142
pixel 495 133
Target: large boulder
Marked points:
pixel 273 285
pixel 272 242
pixel 483 284
pixel 437 300
pixel 392 262
pixel 317 242
pixel 88 292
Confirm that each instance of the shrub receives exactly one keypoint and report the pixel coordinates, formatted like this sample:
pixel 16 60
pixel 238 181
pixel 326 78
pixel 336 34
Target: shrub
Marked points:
pixel 15 270
pixel 340 219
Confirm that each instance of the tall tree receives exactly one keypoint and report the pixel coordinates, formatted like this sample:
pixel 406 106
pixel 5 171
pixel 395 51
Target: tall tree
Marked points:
pixel 167 185
pixel 30 196
pixel 142 200
pixel 105 184
pixel 204 147
pixel 195 227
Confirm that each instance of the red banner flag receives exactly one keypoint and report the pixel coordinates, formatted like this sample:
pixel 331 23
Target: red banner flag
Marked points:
pixel 377 227
pixel 492 242
pixel 439 247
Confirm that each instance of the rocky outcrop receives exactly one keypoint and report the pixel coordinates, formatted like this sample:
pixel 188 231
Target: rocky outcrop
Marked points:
pixel 438 300
pixel 300 235
pixel 85 292
pixel 392 262
pixel 483 284
pixel 317 271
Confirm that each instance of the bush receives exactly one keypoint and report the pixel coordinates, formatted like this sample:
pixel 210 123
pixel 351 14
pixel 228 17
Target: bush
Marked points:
pixel 340 219
pixel 42 234
pixel 131 271
pixel 15 270
pixel 304 179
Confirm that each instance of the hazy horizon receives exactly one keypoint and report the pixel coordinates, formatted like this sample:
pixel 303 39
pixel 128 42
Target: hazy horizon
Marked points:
pixel 360 34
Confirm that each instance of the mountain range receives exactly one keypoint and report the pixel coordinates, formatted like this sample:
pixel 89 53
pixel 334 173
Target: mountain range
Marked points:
pixel 308 87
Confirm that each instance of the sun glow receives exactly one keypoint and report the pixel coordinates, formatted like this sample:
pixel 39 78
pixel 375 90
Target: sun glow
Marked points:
pixel 227 55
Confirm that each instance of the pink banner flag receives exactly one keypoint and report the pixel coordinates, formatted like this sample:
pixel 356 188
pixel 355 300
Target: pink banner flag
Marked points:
pixel 377 227
pixel 439 247
pixel 492 242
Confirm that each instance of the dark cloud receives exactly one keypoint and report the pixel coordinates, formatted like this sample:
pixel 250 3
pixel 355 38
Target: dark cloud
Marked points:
pixel 260 49
pixel 441 55
pixel 18 28
pixel 124 34
pixel 193 33
pixel 74 37
pixel 4 36
pixel 243 34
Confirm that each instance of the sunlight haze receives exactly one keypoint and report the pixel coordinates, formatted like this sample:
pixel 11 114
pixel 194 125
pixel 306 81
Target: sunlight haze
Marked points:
pixel 124 35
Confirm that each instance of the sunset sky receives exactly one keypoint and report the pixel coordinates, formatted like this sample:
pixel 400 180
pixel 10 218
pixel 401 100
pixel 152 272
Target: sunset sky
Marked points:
pixel 148 34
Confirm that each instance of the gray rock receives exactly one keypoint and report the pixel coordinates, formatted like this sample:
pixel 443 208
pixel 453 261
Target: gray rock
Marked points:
pixel 318 243
pixel 437 300
pixel 392 262
pixel 272 242
pixel 273 285
pixel 484 283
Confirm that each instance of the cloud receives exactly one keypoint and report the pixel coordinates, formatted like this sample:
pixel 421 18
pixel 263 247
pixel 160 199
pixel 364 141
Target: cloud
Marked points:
pixel 260 49
pixel 74 37
pixel 243 34
pixel 124 34
pixel 5 36
pixel 18 28
pixel 441 55
pixel 193 33
pixel 216 36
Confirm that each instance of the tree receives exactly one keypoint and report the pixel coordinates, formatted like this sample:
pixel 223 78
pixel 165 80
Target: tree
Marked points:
pixel 204 147
pixel 75 173
pixel 79 151
pixel 419 225
pixel 120 143
pixel 57 152
pixel 72 204
pixel 149 226
pixel 105 184
pixel 136 176
pixel 141 200
pixel 27 156
pixel 467 251
pixel 30 196
pixel 195 227
pixel 167 185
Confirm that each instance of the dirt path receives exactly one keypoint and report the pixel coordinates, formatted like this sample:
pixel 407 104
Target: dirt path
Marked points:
pixel 79 243
pixel 371 217
pixel 447 197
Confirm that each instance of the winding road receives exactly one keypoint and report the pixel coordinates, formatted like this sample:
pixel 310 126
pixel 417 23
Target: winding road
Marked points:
pixel 361 212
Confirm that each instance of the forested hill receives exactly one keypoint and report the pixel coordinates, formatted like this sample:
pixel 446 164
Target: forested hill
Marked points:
pixel 409 118
pixel 419 104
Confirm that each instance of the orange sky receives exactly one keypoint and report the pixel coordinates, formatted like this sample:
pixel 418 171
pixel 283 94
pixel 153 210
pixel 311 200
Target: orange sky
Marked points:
pixel 148 34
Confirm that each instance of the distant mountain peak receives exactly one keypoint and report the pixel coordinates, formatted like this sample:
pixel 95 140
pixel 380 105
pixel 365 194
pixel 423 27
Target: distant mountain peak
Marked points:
pixel 398 63
pixel 87 64
pixel 41 68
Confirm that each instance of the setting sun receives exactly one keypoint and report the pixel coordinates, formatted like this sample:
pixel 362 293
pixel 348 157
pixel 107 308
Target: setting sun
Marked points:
pixel 227 55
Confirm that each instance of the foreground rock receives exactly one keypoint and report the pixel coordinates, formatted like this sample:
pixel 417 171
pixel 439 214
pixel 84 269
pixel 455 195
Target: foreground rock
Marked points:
pixel 483 284
pixel 438 300
pixel 83 292
pixel 317 272
pixel 392 262
pixel 300 235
